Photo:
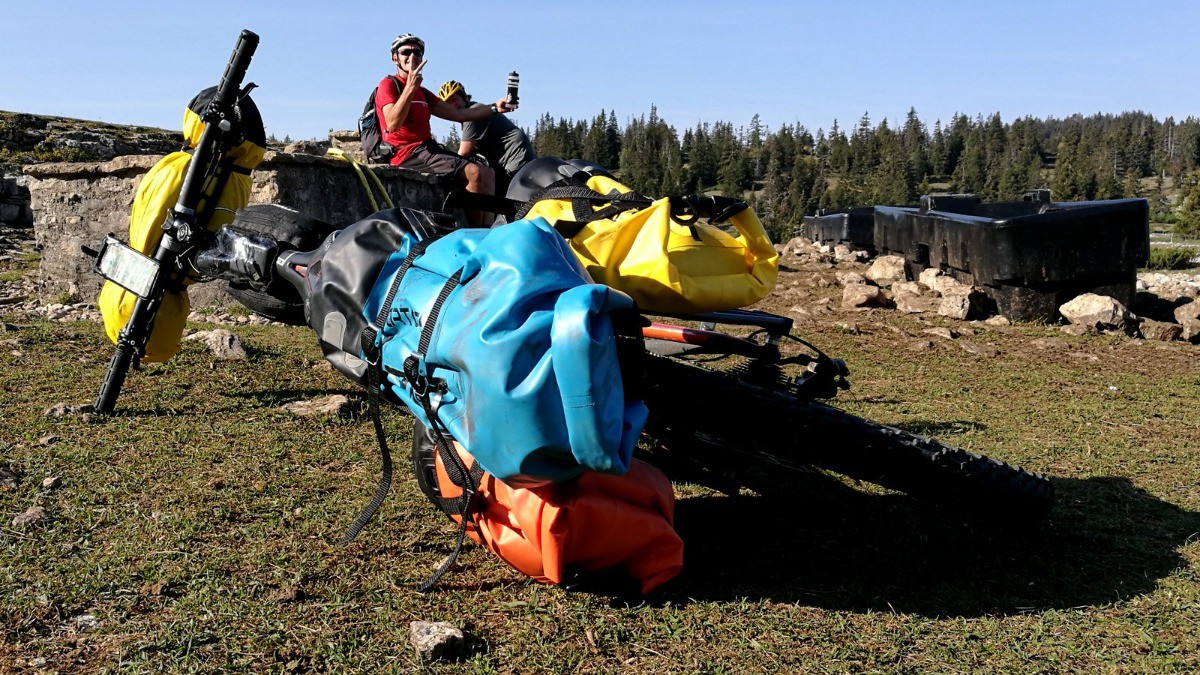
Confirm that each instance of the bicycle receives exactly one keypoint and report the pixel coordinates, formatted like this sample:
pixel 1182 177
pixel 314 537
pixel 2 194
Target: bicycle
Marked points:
pixel 264 256
pixel 716 426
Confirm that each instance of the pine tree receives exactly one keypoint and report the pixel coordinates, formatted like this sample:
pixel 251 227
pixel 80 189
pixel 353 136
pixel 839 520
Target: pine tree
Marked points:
pixel 452 140
pixel 1187 222
pixel 595 144
pixel 612 141
pixel 915 142
pixel 937 150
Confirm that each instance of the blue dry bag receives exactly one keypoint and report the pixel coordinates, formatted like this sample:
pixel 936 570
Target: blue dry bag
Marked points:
pixel 501 335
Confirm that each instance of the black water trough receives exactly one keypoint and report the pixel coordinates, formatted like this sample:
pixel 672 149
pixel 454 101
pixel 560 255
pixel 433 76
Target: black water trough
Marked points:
pixel 1029 256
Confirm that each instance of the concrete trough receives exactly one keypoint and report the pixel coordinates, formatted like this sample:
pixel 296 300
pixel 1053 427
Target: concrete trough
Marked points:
pixel 1029 256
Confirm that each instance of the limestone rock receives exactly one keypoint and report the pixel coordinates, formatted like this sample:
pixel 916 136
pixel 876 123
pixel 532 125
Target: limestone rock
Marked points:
pixel 1095 312
pixel 31 518
pixel 959 302
pixel 66 409
pixel 911 297
pixel 887 270
pixel 797 246
pixel 944 333
pixel 843 253
pixel 986 351
pixel 223 344
pixel 1160 330
pixel 337 405
pixel 436 641
pixel 928 277
pixel 948 285
pixel 921 346
pixel 306 148
pixel 1188 317
pixel 850 277
pixel 861 296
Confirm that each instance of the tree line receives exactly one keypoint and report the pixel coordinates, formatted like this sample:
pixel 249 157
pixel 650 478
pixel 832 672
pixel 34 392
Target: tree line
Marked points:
pixel 789 172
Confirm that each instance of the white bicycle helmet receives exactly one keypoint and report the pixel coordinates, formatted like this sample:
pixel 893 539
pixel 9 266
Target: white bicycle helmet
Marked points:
pixel 407 38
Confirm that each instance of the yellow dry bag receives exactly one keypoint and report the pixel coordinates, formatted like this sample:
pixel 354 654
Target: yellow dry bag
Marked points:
pixel 158 192
pixel 662 253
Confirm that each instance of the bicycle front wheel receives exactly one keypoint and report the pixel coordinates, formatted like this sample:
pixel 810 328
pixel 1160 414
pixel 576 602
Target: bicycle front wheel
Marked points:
pixel 726 420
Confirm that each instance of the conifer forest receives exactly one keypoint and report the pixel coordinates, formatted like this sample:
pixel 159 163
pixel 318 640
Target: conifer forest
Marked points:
pixel 790 171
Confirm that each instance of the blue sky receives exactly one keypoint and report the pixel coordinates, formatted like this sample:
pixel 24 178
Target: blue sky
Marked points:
pixel 791 62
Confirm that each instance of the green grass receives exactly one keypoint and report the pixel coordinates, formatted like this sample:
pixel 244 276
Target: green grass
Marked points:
pixel 197 526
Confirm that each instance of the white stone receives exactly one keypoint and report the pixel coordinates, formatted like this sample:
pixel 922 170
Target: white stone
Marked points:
pixel 1095 312
pixel 887 270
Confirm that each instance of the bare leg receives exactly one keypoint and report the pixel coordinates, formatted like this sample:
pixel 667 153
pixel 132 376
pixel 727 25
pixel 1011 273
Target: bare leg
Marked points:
pixel 480 179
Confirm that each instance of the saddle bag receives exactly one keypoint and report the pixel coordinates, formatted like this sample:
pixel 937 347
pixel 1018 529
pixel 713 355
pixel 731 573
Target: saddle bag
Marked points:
pixel 595 529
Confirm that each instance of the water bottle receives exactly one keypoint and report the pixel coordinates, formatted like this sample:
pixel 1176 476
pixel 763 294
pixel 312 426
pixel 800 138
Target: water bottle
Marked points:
pixel 513 80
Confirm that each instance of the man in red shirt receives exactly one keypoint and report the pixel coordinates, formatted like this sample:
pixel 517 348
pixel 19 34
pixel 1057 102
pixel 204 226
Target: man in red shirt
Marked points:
pixel 404 108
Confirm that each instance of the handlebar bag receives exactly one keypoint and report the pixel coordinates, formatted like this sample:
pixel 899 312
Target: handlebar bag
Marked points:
pixel 157 193
pixel 665 258
pixel 520 364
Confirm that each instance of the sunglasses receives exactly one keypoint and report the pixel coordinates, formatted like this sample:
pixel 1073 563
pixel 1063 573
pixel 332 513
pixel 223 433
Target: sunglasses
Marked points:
pixel 410 51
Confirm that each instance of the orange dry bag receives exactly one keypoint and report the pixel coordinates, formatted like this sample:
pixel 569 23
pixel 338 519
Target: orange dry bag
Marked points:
pixel 596 523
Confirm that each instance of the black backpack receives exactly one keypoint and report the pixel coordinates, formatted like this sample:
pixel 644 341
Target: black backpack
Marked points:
pixel 371 135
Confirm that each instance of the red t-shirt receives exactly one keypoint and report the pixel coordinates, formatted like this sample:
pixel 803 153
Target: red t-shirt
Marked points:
pixel 415 129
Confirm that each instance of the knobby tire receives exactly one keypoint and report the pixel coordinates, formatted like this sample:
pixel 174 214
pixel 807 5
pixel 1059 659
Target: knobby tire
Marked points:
pixel 725 420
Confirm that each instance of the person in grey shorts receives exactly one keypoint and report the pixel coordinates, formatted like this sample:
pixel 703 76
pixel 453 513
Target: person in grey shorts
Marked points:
pixel 495 138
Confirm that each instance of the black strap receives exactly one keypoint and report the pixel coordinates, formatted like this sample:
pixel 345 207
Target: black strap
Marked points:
pixel 467 479
pixel 399 88
pixel 424 386
pixel 569 228
pixel 582 197
pixel 368 337
pixel 374 379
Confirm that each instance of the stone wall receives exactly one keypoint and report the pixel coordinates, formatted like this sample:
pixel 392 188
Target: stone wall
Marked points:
pixel 14 201
pixel 76 204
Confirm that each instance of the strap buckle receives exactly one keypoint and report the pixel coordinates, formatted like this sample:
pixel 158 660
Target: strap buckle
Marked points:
pixel 368 341
pixel 417 375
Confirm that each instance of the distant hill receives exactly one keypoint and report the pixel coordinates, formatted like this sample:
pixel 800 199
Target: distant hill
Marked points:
pixel 27 139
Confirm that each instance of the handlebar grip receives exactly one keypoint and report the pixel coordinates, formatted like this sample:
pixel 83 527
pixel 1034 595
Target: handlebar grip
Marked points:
pixel 235 70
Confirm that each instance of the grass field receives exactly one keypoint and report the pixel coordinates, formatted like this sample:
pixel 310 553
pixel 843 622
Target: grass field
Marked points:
pixel 193 530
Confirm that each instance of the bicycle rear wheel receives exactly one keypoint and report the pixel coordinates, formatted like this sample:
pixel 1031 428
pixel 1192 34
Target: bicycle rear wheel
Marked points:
pixel 735 422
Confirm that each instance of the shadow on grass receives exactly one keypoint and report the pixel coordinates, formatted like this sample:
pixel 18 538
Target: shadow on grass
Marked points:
pixel 273 397
pixel 940 429
pixel 834 547
pixel 265 398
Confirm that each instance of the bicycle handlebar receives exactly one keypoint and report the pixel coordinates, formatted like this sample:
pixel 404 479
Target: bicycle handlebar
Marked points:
pixel 178 229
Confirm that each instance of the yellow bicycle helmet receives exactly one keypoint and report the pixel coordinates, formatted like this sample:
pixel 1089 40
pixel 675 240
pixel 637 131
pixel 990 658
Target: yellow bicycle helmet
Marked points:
pixel 450 88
